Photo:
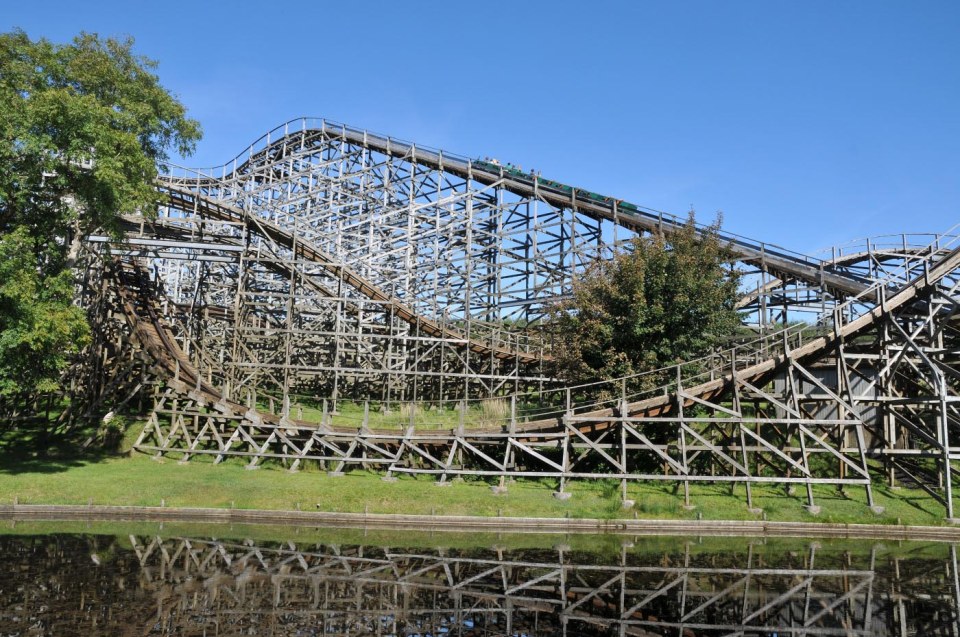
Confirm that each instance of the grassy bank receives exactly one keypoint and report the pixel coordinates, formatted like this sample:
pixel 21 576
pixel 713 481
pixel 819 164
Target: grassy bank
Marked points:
pixel 138 480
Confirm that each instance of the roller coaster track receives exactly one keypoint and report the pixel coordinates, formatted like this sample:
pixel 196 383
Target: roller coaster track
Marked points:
pixel 637 218
pixel 162 344
pixel 225 198
pixel 876 385
pixel 817 272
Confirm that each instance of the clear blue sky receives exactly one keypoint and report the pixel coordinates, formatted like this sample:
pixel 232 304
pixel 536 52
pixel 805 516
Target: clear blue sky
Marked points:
pixel 808 123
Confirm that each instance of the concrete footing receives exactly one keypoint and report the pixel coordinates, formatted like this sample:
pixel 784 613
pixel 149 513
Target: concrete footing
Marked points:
pixel 812 509
pixel 562 495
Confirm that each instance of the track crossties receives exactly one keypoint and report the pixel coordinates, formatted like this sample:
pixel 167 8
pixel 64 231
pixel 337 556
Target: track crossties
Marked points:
pixel 328 267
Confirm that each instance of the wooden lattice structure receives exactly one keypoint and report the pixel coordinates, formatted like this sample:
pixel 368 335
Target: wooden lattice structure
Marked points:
pixel 331 265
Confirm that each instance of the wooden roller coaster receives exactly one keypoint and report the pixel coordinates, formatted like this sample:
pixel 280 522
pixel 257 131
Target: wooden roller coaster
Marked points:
pixel 340 263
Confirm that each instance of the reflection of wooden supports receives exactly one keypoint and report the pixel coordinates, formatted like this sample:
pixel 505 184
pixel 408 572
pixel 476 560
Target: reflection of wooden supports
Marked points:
pixel 544 593
pixel 190 585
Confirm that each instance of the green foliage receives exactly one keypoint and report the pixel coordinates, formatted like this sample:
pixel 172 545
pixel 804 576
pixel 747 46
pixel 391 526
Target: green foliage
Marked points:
pixel 84 128
pixel 87 122
pixel 110 434
pixel 39 328
pixel 670 299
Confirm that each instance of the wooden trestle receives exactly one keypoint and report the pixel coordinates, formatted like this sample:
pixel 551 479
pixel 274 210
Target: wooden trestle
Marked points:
pixel 353 267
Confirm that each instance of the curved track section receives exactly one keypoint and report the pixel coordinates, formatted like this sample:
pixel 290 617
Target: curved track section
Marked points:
pixel 305 133
pixel 654 429
pixel 354 267
pixel 300 249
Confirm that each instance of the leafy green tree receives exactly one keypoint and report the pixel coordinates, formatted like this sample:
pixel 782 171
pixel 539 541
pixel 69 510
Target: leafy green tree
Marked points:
pixel 669 299
pixel 84 129
pixel 41 328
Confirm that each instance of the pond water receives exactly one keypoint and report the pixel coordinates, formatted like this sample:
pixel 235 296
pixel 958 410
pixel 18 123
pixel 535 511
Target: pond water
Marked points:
pixel 150 580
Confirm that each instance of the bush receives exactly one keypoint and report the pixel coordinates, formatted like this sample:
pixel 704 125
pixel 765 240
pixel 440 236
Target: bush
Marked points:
pixel 670 298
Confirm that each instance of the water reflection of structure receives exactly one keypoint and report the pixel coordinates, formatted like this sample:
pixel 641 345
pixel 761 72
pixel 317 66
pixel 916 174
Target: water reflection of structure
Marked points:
pixel 186 586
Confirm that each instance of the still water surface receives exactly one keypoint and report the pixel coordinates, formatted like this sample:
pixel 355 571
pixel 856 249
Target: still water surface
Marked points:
pixel 251 581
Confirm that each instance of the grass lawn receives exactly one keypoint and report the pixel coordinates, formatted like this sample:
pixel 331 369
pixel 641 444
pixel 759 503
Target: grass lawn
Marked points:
pixel 59 475
pixel 141 481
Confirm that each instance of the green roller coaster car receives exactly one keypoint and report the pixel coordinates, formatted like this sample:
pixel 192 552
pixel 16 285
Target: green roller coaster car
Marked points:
pixel 511 171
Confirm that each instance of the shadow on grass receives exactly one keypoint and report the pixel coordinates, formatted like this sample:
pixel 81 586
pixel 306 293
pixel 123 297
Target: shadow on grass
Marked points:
pixel 922 502
pixel 26 450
